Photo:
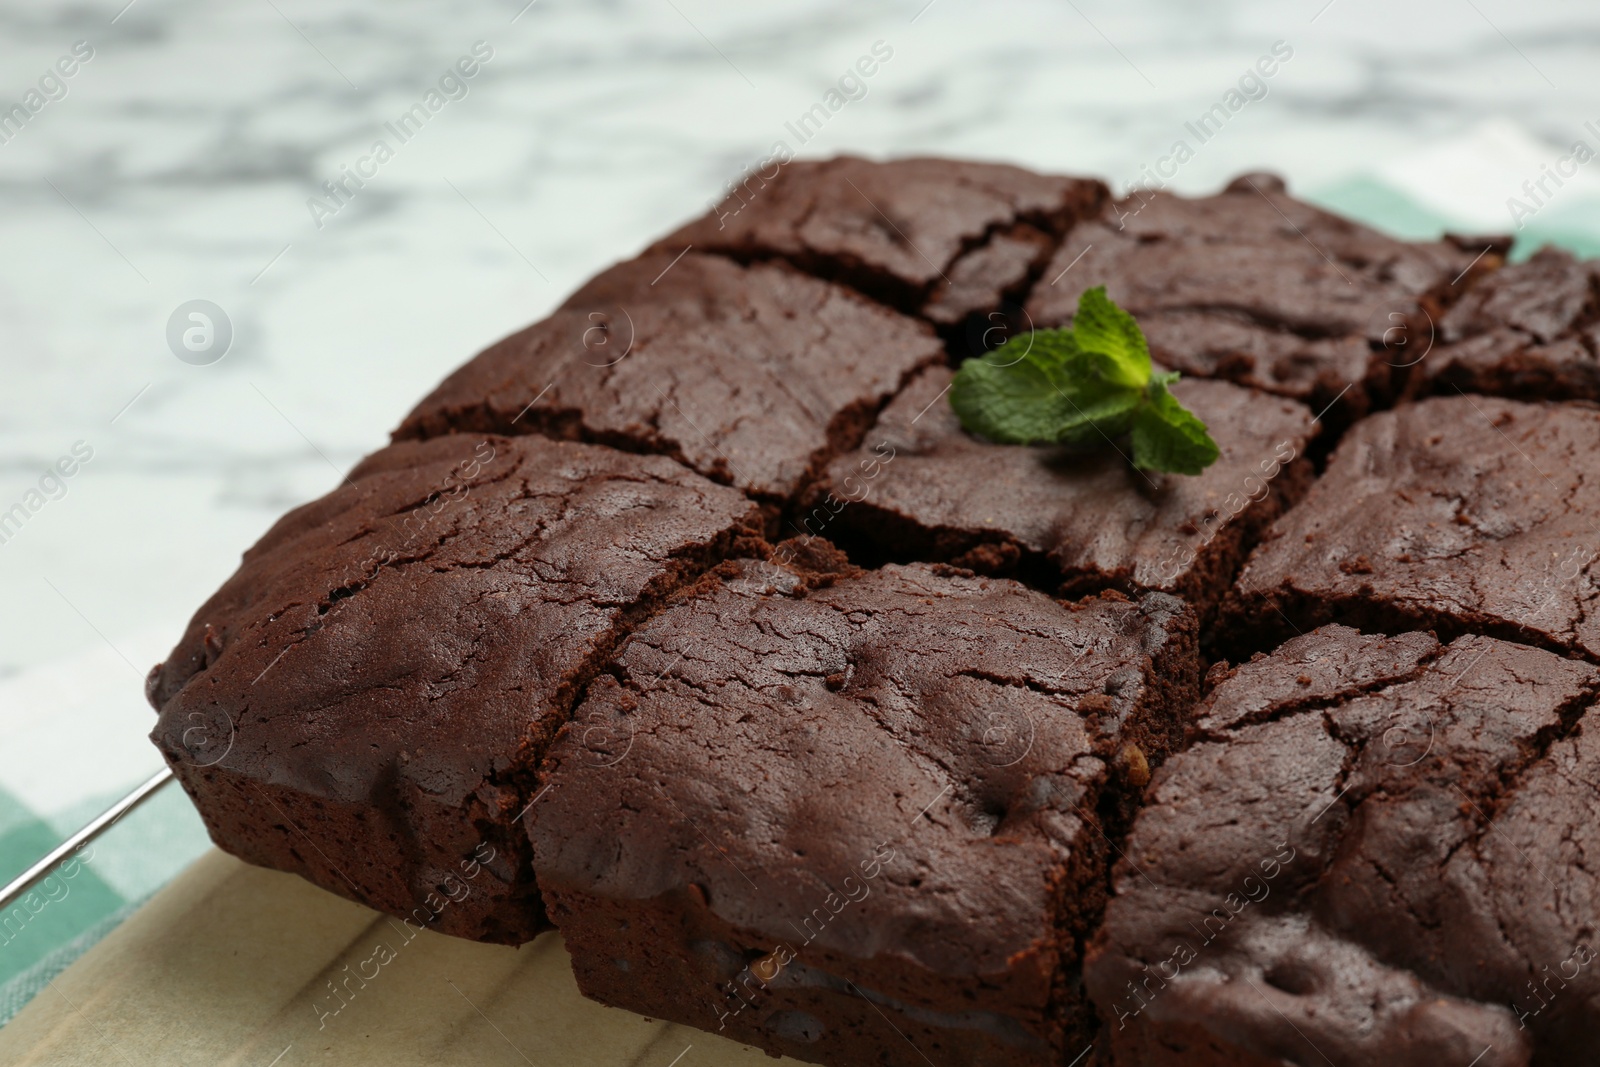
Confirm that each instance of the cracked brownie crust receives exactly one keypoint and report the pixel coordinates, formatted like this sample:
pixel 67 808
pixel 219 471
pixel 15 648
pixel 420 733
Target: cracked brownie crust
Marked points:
pixel 1457 514
pixel 753 376
pixel 795 804
pixel 365 701
pixel 1530 331
pixel 1073 521
pixel 948 238
pixel 1375 853
pixel 1256 287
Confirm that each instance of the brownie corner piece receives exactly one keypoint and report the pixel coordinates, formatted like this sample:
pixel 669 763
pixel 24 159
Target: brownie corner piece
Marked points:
pixel 943 238
pixel 1455 514
pixel 1358 863
pixel 1257 287
pixel 753 375
pixel 862 822
pixel 1530 331
pixel 365 701
pixel 1068 520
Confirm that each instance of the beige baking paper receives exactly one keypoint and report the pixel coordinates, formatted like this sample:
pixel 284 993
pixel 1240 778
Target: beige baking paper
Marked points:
pixel 231 964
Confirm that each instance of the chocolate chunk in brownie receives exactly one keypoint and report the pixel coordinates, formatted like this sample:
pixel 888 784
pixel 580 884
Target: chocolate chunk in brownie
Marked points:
pixel 859 819
pixel 1256 287
pixel 945 237
pixel 1368 866
pixel 1530 331
pixel 365 701
pixel 752 375
pixel 1457 514
pixel 1074 520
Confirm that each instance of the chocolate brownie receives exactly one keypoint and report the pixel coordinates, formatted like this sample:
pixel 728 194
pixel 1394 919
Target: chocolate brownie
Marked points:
pixel 921 487
pixel 365 701
pixel 752 375
pixel 1259 288
pixel 1457 514
pixel 944 238
pixel 859 820
pixel 1530 331
pixel 536 664
pixel 1375 854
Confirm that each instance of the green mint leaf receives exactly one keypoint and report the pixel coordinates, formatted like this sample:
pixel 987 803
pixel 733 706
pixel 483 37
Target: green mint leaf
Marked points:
pixel 1014 395
pixel 1106 331
pixel 1086 385
pixel 1100 413
pixel 1167 436
pixel 1056 350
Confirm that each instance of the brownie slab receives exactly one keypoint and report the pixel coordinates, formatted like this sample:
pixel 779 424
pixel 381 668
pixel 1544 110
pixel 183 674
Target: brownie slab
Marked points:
pixel 752 375
pixel 921 487
pixel 536 665
pixel 365 701
pixel 1259 288
pixel 859 819
pixel 943 238
pixel 1457 514
pixel 1530 331
pixel 1375 854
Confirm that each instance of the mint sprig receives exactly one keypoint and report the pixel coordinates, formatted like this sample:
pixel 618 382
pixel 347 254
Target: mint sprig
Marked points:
pixel 1087 384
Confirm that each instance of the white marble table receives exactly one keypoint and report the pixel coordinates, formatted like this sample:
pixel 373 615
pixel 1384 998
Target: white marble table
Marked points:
pixel 178 161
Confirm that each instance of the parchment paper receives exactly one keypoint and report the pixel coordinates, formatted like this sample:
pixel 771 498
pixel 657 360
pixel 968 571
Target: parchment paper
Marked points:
pixel 231 964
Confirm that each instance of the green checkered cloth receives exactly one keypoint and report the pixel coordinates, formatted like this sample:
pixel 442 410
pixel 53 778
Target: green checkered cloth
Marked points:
pixel 86 896
pixel 62 918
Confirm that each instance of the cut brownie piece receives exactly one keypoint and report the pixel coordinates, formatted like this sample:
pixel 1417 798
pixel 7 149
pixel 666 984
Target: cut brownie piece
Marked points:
pixel 1457 514
pixel 1259 288
pixel 986 280
pixel 754 376
pixel 921 487
pixel 1376 855
pixel 859 822
pixel 942 237
pixel 365 701
pixel 1530 331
